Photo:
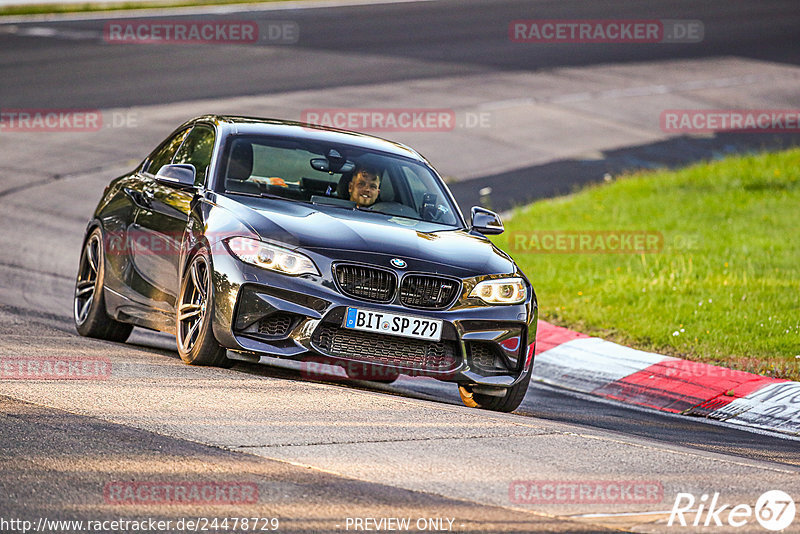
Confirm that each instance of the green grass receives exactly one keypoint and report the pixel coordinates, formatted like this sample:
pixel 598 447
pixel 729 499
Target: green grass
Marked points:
pixel 111 5
pixel 724 289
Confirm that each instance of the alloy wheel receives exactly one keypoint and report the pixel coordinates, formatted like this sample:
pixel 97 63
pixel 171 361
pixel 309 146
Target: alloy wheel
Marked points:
pixel 86 285
pixel 193 303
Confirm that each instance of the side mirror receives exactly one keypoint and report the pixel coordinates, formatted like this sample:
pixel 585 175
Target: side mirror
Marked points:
pixel 486 222
pixel 180 175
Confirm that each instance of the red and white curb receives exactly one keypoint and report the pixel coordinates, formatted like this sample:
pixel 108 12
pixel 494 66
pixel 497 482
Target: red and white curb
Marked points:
pixel 574 361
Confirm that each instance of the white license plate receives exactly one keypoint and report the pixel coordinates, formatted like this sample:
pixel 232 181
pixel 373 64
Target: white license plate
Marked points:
pixel 392 324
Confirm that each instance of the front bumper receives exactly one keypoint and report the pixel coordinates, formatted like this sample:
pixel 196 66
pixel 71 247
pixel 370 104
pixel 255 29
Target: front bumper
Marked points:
pixel 301 318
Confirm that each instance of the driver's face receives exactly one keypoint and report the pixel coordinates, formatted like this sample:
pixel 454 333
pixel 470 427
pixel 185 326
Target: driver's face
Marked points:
pixel 364 189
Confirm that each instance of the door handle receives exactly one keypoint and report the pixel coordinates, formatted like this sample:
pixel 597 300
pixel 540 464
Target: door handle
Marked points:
pixel 138 198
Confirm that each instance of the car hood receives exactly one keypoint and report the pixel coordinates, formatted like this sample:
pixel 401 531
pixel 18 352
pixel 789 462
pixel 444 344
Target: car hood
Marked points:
pixel 358 236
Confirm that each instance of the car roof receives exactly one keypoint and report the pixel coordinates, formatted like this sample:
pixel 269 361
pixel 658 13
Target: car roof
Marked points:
pixel 240 125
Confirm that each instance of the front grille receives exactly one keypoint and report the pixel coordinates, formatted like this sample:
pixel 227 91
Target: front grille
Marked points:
pixel 367 283
pixel 423 291
pixel 391 350
pixel 277 324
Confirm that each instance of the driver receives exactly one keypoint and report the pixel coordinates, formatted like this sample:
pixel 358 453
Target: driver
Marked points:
pixel 365 186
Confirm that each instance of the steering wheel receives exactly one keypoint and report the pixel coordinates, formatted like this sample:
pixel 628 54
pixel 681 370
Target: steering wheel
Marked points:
pixel 433 215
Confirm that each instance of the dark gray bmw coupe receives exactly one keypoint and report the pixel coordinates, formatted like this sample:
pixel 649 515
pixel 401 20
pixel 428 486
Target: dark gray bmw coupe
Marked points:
pixel 250 237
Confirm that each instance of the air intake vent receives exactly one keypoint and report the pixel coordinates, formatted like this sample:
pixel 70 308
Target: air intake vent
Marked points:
pixel 277 325
pixel 389 350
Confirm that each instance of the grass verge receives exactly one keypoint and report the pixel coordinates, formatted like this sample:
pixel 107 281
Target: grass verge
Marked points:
pixel 724 288
pixel 54 8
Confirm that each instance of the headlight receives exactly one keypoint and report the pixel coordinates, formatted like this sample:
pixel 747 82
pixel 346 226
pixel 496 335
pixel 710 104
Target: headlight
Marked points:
pixel 501 291
pixel 271 257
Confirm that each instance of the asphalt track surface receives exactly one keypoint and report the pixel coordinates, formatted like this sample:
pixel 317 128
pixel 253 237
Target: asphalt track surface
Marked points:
pixel 57 453
pixel 391 42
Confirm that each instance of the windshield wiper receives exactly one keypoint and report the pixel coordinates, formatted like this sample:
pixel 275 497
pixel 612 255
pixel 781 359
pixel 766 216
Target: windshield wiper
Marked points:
pixel 370 210
pixel 333 201
pixel 261 195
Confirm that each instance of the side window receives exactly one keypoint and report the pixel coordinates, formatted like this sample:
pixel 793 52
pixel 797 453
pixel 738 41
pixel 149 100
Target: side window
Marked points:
pixel 197 150
pixel 163 154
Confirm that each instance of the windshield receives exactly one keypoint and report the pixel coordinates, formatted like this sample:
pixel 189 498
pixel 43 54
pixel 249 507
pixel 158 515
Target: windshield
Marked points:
pixel 340 175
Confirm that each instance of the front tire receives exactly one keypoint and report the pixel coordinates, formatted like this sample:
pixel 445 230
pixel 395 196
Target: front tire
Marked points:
pixel 509 402
pixel 194 334
pixel 89 304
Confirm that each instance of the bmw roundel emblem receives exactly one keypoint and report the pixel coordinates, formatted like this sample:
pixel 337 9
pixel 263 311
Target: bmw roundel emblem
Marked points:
pixel 397 262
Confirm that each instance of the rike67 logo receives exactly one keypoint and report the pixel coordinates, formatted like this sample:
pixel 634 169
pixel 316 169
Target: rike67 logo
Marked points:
pixel 774 510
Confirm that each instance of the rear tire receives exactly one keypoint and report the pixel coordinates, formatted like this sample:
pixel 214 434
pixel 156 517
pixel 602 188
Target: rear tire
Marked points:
pixel 89 303
pixel 509 402
pixel 193 332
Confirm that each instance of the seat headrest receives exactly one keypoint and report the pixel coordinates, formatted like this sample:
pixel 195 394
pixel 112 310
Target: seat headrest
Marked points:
pixel 240 163
pixel 344 185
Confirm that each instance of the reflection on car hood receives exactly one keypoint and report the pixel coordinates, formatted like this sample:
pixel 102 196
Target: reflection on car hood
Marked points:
pixel 331 230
